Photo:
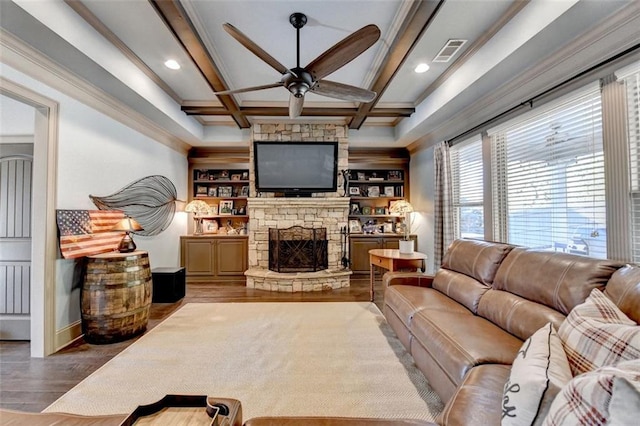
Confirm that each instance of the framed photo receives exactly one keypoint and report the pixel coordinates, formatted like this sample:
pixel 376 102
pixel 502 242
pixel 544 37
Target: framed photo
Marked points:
pixel 226 207
pixel 224 175
pixel 209 226
pixel 201 190
pixel 245 176
pixel 380 211
pixel 354 190
pixel 202 175
pixel 361 176
pixel 213 210
pixel 389 191
pixel 354 208
pixel 213 191
pixel 355 227
pixel 373 191
pixel 387 228
pixel 366 210
pixel 394 175
pixel 225 191
pixel 235 176
pixel 244 191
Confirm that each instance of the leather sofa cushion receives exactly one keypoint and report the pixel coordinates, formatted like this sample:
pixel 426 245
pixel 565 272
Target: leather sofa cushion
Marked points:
pixel 624 290
pixel 479 399
pixel 515 314
pixel 459 287
pixel 460 342
pixel 476 259
pixel 558 280
pixel 406 300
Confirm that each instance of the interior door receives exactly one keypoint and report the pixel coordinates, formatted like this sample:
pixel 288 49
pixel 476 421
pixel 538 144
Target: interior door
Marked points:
pixel 15 241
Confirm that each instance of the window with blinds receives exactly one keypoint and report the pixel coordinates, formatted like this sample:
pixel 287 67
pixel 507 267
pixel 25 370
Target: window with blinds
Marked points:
pixel 467 187
pixel 548 177
pixel 632 84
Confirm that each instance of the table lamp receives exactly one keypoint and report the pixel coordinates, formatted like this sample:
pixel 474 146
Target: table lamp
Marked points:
pixel 405 208
pixel 127 225
pixel 197 207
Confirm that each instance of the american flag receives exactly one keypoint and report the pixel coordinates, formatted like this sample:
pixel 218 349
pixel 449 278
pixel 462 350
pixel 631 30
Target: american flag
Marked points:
pixel 88 232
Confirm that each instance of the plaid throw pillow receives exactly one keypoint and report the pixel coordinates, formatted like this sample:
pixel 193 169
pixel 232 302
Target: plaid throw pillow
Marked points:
pixel 590 398
pixel 597 334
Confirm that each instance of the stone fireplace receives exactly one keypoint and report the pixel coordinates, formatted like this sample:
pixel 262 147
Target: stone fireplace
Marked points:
pixel 323 210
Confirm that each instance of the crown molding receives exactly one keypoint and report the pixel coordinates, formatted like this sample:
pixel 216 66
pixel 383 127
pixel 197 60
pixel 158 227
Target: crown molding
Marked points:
pixel 29 61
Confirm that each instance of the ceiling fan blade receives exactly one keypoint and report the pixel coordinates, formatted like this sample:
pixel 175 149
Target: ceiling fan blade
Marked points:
pixel 254 48
pixel 342 91
pixel 249 89
pixel 343 52
pixel 295 106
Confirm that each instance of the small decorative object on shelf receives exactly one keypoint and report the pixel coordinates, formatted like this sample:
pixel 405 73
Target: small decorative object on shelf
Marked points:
pixel 405 208
pixel 127 225
pixel 199 208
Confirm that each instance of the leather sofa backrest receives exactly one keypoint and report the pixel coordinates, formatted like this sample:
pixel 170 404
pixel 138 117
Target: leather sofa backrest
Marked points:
pixel 468 269
pixel 557 280
pixel 624 289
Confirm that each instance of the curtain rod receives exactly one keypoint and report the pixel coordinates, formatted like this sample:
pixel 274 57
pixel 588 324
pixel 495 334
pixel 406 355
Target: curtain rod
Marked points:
pixel 530 101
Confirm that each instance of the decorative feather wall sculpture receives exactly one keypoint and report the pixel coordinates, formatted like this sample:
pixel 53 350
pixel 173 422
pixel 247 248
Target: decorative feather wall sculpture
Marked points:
pixel 151 201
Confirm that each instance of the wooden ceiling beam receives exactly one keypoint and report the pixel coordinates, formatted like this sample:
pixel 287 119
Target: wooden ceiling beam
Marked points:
pixel 306 112
pixel 176 19
pixel 410 33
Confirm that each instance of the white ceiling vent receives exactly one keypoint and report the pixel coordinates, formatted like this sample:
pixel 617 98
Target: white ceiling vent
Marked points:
pixel 450 48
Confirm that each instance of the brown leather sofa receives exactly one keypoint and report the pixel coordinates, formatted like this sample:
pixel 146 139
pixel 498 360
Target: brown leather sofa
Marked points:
pixel 464 326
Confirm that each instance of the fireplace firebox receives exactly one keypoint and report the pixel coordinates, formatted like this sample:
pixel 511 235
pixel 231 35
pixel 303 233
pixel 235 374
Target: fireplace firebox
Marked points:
pixel 298 249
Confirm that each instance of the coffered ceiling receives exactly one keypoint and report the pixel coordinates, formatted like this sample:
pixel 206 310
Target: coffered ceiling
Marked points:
pixel 511 52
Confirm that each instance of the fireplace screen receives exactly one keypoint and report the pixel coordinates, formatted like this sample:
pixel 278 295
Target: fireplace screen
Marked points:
pixel 298 249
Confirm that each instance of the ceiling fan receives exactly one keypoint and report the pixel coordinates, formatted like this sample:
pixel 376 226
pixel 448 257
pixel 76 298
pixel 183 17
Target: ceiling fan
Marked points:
pixel 298 80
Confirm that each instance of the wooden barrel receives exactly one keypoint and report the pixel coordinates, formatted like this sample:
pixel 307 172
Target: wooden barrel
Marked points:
pixel 116 296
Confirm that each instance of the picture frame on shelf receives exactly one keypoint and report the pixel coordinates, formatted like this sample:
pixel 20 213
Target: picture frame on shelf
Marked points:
pixel 235 176
pixel 394 175
pixel 226 207
pixel 202 175
pixel 366 210
pixel 355 227
pixel 201 191
pixel 387 227
pixel 354 208
pixel 389 191
pixel 213 210
pixel 224 175
pixel 354 190
pixel 244 191
pixel 212 191
pixel 225 191
pixel 380 211
pixel 362 176
pixel 210 226
pixel 245 176
pixel 373 191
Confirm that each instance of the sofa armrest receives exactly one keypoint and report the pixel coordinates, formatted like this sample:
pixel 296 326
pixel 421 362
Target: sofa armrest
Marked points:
pixel 417 279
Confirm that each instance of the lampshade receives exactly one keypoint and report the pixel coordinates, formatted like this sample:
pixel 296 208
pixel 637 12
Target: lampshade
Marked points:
pixel 197 207
pixel 401 206
pixel 127 225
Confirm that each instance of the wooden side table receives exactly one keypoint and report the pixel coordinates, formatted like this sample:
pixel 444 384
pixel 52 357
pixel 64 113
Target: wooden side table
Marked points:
pixel 116 296
pixel 393 260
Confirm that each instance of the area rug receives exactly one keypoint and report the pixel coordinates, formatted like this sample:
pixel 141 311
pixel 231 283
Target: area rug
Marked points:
pixel 278 359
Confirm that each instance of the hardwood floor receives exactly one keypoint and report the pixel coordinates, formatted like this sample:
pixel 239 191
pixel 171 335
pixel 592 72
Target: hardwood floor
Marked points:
pixel 32 384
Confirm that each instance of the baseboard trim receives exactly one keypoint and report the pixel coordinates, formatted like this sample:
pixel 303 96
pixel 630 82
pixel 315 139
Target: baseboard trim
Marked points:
pixel 67 335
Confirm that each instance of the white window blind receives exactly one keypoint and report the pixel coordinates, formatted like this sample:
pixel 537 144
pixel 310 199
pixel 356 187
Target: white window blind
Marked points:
pixel 632 84
pixel 467 187
pixel 548 177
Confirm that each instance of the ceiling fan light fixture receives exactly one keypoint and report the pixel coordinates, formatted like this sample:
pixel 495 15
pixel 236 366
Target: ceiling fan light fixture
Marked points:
pixel 172 64
pixel 421 68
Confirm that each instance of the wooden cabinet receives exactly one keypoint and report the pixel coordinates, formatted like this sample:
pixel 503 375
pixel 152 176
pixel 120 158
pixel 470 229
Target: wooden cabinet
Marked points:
pixel 359 246
pixel 215 258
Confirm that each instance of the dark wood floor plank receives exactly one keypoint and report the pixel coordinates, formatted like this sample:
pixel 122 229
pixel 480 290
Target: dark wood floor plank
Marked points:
pixel 32 384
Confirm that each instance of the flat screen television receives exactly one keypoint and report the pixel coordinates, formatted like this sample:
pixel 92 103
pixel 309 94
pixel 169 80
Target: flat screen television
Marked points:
pixel 296 169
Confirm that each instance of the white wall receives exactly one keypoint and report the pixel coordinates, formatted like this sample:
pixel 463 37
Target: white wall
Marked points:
pixel 422 192
pixel 16 118
pixel 98 156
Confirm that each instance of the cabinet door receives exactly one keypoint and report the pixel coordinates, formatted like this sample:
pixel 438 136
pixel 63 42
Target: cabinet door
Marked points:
pixel 359 251
pixel 197 256
pixel 231 256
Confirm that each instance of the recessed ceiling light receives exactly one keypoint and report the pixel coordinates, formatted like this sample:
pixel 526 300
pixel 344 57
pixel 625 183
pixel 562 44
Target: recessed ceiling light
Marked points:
pixel 172 64
pixel 421 68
